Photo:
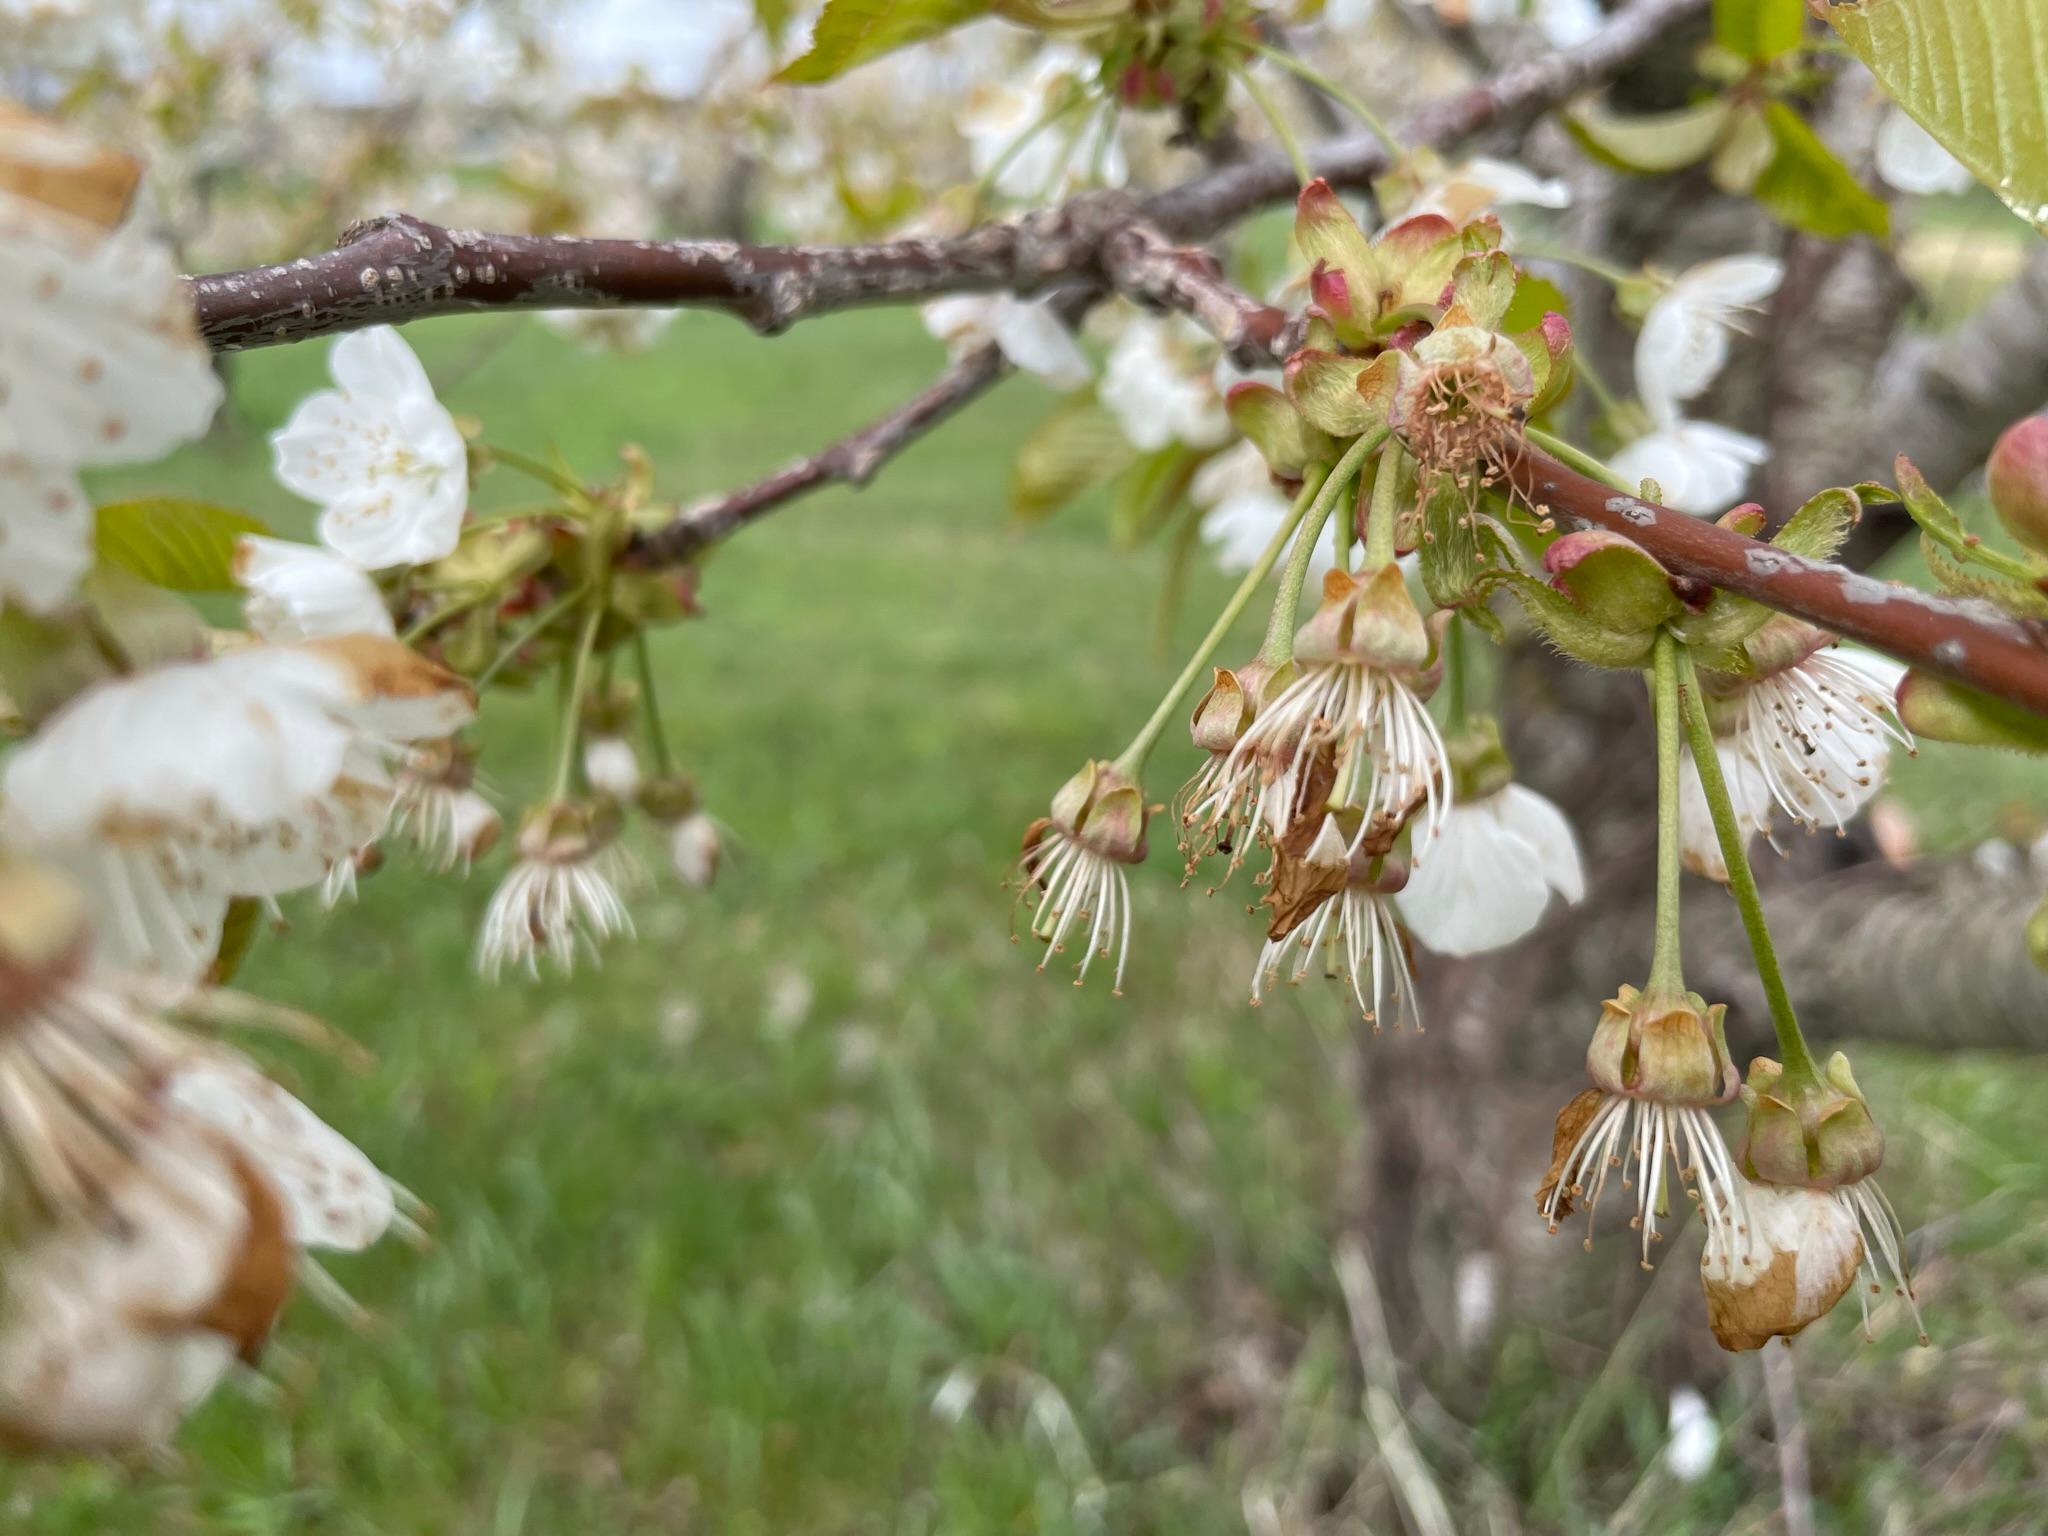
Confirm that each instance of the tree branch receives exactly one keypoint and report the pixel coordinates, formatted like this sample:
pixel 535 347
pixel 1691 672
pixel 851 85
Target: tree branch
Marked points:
pixel 394 269
pixel 852 460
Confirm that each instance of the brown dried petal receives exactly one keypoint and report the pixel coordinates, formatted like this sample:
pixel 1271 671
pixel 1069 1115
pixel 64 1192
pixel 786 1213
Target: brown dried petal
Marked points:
pixel 1572 1121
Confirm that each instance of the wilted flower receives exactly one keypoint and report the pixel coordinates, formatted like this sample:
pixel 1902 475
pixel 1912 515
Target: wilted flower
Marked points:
pixel 1233 798
pixel 1659 1063
pixel 248 774
pixel 1817 1135
pixel 100 361
pixel 1504 851
pixel 1682 347
pixel 1333 910
pixel 302 592
pixel 1798 1258
pixel 1460 399
pixel 1030 335
pixel 438 809
pixel 1362 658
pixel 564 893
pixel 1161 388
pixel 115 1329
pixel 1809 734
pixel 1071 871
pixel 380 454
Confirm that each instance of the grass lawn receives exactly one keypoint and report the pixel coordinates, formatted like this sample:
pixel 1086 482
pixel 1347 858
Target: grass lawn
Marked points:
pixel 817 1210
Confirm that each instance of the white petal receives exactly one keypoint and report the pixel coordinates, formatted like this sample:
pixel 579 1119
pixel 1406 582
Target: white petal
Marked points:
pixel 376 364
pixel 1684 341
pixel 1034 338
pixel 1749 794
pixel 45 534
pixel 100 362
pixel 1538 821
pixel 333 1195
pixel 1482 886
pixel 297 591
pixel 1913 160
pixel 1701 467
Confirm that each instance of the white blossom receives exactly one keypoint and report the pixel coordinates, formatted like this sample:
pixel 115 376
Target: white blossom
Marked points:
pixel 100 363
pixel 1245 509
pixel 1682 348
pixel 1464 191
pixel 1492 872
pixel 694 850
pixel 1161 388
pixel 1911 159
pixel 1028 333
pixel 380 454
pixel 1694 1437
pixel 1683 345
pixel 1080 148
pixel 1812 740
pixel 1699 466
pixel 302 592
pixel 249 774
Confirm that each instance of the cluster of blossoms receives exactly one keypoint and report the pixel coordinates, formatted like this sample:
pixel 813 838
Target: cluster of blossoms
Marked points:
pixel 159 1195
pixel 1389 827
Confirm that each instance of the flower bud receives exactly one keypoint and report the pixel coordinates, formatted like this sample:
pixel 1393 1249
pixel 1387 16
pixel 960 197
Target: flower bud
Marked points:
pixel 1815 1134
pixel 1797 1259
pixel 1663 1047
pixel 1617 582
pixel 2017 478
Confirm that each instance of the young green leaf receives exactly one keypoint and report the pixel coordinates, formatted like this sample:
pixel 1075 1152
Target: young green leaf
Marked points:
pixel 1077 447
pixel 1807 187
pixel 851 32
pixel 174 542
pixel 1759 30
pixel 1653 143
pixel 1970 72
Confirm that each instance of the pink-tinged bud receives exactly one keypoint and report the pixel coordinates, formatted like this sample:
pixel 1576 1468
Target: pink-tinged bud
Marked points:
pixel 1747 520
pixel 1330 291
pixel 2018 480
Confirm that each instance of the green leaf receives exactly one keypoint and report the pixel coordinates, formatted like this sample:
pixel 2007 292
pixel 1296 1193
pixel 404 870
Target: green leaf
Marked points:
pixel 1076 447
pixel 147 625
pixel 1654 143
pixel 2022 599
pixel 1534 298
pixel 1759 30
pixel 851 32
pixel 43 662
pixel 1449 554
pixel 772 16
pixel 1146 493
pixel 170 541
pixel 1970 72
pixel 1818 529
pixel 1806 187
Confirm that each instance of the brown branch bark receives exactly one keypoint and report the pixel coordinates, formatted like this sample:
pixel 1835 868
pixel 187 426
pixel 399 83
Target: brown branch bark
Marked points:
pixel 398 268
